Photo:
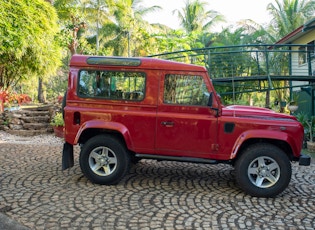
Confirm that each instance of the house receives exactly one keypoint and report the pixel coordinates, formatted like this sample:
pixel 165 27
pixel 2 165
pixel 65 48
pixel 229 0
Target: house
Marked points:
pixel 302 64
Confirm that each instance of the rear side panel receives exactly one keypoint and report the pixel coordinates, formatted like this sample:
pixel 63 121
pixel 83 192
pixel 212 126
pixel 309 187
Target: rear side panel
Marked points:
pixel 91 111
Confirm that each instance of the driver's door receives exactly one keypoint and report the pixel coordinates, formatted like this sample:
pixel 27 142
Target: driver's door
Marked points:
pixel 186 126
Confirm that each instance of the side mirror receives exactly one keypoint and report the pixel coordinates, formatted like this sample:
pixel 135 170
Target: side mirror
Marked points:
pixel 210 104
pixel 210 100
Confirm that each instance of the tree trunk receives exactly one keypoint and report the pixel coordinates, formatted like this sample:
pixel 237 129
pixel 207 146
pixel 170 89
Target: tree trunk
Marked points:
pixel 40 97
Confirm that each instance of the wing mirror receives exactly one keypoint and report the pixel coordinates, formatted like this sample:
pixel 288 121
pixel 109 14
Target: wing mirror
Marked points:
pixel 210 104
pixel 210 100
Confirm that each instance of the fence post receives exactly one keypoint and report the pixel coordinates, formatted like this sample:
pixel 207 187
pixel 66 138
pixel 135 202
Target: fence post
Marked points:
pixel 209 61
pixel 267 104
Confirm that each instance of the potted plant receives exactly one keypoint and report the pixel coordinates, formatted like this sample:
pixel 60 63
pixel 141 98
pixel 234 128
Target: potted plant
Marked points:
pixel 293 104
pixel 57 123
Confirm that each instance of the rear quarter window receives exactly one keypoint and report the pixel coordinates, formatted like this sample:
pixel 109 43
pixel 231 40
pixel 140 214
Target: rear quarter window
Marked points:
pixel 114 85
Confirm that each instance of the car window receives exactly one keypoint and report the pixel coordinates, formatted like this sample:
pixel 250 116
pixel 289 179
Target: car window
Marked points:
pixel 111 85
pixel 185 90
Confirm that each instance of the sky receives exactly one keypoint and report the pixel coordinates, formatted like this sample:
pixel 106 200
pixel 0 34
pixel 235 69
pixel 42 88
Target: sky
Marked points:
pixel 233 10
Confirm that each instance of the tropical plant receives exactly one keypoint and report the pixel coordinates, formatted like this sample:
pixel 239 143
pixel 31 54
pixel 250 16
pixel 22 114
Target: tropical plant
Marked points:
pixel 122 35
pixel 194 17
pixel 73 24
pixel 308 123
pixel 57 120
pixel 287 15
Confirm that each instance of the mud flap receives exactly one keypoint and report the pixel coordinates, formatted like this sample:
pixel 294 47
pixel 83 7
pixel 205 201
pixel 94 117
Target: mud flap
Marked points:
pixel 304 160
pixel 67 156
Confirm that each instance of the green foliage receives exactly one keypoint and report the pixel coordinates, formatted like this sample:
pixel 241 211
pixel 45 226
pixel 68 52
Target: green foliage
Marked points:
pixel 308 123
pixel 57 120
pixel 30 38
pixel 288 15
pixel 194 17
pixel 27 40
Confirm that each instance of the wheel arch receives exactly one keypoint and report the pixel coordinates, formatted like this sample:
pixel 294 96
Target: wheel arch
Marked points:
pixel 97 127
pixel 281 144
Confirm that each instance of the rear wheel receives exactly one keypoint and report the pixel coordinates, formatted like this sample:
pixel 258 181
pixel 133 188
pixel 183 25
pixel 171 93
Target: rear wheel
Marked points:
pixel 263 170
pixel 104 160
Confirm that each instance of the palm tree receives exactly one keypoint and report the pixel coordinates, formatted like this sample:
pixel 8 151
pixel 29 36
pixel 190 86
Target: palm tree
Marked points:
pixel 97 14
pixel 194 17
pixel 124 30
pixel 289 15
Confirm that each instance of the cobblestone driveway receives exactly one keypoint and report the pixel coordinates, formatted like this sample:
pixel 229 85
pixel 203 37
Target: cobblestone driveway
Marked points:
pixel 154 195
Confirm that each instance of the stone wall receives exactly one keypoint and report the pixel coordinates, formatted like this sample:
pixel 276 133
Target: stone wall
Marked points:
pixel 27 122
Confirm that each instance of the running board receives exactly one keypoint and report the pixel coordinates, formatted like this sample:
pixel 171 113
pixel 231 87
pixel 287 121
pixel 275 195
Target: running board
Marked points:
pixel 182 159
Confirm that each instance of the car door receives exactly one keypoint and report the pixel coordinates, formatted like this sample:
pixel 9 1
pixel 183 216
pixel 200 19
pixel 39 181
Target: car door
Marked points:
pixel 186 126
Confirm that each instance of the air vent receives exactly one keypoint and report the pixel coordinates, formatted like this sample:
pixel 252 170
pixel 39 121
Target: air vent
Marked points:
pixel 229 127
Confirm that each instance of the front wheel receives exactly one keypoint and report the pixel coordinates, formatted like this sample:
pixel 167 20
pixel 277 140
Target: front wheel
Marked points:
pixel 263 170
pixel 104 160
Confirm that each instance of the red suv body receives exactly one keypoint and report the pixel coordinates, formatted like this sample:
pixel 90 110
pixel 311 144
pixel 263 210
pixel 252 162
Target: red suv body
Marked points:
pixel 121 110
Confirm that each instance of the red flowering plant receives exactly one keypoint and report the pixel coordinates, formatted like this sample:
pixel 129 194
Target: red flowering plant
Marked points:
pixel 3 99
pixel 7 99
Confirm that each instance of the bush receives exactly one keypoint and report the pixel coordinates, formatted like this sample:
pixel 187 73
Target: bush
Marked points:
pixel 57 120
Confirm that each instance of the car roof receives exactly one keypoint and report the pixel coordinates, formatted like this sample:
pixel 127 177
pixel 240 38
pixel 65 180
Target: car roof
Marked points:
pixel 134 62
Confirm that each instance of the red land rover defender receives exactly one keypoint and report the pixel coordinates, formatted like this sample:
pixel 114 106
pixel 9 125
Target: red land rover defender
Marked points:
pixel 121 110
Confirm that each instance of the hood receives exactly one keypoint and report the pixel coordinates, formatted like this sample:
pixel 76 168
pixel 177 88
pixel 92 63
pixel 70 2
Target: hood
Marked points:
pixel 251 111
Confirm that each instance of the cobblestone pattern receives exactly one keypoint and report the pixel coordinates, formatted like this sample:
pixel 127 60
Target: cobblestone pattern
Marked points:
pixel 155 195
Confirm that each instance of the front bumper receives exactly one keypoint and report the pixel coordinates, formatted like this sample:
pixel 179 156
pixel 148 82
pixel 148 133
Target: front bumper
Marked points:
pixel 304 160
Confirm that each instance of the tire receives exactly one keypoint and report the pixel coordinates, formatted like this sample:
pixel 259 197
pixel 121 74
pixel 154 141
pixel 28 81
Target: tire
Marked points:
pixel 263 170
pixel 104 160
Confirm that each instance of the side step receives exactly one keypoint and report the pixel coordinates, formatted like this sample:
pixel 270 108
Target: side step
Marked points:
pixel 181 159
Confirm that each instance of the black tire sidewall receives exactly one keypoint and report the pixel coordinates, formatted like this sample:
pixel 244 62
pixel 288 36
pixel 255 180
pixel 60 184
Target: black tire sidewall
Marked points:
pixel 253 152
pixel 123 159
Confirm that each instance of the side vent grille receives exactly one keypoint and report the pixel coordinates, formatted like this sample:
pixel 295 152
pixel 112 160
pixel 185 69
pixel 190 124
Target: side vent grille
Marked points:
pixel 229 127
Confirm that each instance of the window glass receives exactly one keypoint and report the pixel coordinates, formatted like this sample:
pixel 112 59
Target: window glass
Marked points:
pixel 311 49
pixel 112 85
pixel 185 90
pixel 306 52
pixel 302 55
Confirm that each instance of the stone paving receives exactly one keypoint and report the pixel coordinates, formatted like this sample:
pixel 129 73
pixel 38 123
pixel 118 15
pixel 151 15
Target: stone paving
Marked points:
pixel 36 193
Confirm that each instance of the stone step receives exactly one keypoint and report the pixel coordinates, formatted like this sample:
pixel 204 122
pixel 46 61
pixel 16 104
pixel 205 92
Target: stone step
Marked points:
pixel 35 126
pixel 31 113
pixel 28 121
pixel 40 108
pixel 26 133
pixel 38 119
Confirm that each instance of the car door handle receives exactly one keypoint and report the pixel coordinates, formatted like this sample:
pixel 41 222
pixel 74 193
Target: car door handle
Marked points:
pixel 167 123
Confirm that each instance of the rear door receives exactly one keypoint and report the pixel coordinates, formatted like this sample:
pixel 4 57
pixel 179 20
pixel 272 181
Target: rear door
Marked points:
pixel 186 126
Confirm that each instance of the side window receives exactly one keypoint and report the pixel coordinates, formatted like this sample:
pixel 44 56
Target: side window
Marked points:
pixel 185 90
pixel 311 49
pixel 112 85
pixel 302 55
pixel 306 52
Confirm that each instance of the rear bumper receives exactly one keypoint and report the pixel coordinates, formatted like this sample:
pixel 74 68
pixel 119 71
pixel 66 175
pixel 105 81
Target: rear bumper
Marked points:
pixel 304 160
